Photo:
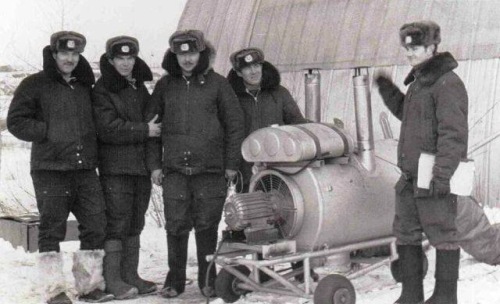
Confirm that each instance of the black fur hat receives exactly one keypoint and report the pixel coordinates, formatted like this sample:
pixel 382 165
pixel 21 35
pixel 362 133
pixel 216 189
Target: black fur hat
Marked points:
pixel 246 57
pixel 67 41
pixel 122 45
pixel 187 41
pixel 420 33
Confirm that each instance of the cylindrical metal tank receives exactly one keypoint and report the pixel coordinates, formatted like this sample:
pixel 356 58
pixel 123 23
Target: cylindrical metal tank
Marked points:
pixel 334 204
pixel 312 82
pixel 296 143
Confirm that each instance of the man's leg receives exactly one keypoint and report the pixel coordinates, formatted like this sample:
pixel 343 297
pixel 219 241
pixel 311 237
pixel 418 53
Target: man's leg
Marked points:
pixel 177 202
pixel 53 194
pixel 88 208
pixel 118 195
pixel 408 231
pixel 438 218
pixel 130 261
pixel 209 191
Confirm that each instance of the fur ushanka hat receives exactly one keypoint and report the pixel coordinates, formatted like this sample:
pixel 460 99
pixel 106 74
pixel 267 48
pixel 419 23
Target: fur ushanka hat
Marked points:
pixel 423 33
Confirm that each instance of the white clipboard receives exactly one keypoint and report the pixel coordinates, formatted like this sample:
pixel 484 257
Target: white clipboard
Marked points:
pixel 461 183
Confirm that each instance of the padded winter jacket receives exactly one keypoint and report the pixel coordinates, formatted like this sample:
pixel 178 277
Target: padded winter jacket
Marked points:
pixel 433 115
pixel 273 104
pixel 202 121
pixel 56 116
pixel 120 116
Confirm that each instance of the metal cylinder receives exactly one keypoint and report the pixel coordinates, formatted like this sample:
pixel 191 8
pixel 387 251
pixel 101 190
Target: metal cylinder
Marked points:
pixel 364 120
pixel 296 143
pixel 313 95
pixel 363 108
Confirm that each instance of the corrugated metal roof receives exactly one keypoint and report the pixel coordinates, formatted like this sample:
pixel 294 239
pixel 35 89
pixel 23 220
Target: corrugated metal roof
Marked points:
pixel 340 34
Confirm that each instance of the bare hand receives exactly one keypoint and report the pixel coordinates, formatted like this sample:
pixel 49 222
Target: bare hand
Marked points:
pixel 154 128
pixel 231 174
pixel 157 177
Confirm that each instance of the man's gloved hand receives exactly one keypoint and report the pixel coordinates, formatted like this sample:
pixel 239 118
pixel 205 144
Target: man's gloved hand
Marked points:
pixel 383 80
pixel 439 187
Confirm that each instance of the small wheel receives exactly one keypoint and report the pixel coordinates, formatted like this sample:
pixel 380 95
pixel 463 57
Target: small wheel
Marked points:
pixel 334 289
pixel 396 270
pixel 226 285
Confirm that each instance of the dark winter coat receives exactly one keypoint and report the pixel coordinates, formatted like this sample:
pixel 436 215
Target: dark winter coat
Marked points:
pixel 202 121
pixel 273 105
pixel 433 115
pixel 56 117
pixel 119 112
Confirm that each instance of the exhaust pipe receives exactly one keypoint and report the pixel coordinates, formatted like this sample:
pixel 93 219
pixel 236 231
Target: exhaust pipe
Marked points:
pixel 364 120
pixel 313 95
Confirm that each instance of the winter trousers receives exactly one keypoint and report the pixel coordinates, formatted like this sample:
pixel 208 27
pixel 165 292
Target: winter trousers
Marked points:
pixel 127 200
pixel 197 202
pixel 60 192
pixel 431 215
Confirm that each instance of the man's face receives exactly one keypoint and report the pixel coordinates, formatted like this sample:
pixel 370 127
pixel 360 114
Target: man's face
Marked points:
pixel 124 64
pixel 188 61
pixel 251 74
pixel 417 54
pixel 66 61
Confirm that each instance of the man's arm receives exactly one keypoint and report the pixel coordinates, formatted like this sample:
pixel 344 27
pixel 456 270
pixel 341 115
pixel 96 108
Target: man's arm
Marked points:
pixel 452 126
pixel 111 127
pixel 291 112
pixel 24 119
pixel 391 95
pixel 232 120
pixel 154 149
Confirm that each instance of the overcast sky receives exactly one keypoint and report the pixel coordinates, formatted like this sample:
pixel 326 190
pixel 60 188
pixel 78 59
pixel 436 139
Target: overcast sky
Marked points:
pixel 26 26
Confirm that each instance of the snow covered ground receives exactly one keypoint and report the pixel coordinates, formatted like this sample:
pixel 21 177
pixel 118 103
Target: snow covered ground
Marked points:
pixel 479 283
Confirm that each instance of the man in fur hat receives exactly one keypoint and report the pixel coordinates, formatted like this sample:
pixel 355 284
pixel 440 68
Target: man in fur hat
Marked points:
pixel 201 138
pixel 53 110
pixel 433 115
pixel 264 101
pixel 120 101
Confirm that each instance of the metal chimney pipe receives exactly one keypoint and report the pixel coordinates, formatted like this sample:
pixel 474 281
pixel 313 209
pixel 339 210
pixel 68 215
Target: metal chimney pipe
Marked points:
pixel 313 95
pixel 364 120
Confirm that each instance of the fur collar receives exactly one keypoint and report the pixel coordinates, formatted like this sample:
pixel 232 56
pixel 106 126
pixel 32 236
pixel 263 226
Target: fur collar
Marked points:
pixel 114 82
pixel 207 57
pixel 83 72
pixel 430 71
pixel 271 79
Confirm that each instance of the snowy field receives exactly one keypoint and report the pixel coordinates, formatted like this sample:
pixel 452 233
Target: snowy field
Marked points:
pixel 479 283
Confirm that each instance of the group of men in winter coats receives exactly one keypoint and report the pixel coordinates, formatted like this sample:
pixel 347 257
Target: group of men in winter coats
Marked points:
pixel 187 136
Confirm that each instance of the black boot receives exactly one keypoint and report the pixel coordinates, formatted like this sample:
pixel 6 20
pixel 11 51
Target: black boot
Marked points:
pixel 112 273
pixel 411 266
pixel 130 263
pixel 175 282
pixel 206 244
pixel 447 264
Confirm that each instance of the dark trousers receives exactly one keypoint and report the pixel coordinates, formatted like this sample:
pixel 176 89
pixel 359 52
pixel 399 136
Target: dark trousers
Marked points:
pixel 60 192
pixel 192 201
pixel 127 200
pixel 416 214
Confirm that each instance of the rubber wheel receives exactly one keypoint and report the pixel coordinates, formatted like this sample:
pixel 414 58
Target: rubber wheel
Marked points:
pixel 396 270
pixel 226 285
pixel 334 289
